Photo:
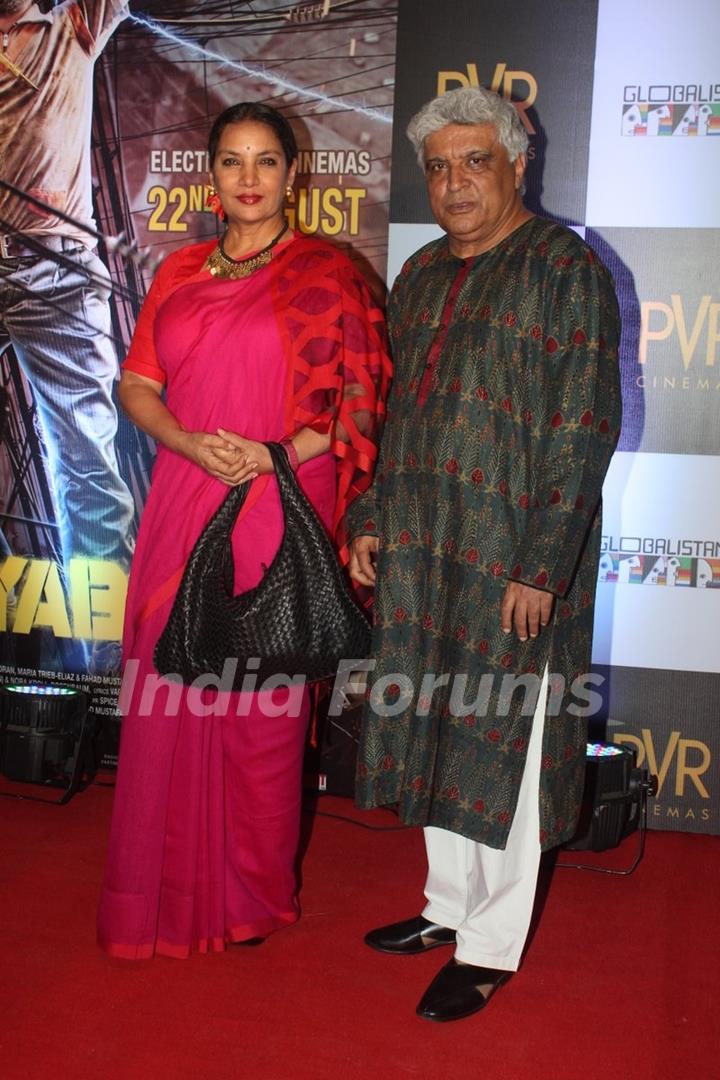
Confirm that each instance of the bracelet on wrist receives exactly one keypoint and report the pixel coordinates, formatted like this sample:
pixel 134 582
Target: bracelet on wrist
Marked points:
pixel 289 447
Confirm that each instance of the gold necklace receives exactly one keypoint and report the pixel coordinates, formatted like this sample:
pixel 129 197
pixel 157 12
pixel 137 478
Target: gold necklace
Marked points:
pixel 222 265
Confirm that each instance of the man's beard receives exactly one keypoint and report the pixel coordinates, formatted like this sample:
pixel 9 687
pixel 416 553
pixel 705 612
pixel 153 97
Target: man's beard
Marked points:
pixel 12 7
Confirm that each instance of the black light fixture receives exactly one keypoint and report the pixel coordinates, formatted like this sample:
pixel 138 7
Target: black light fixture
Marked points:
pixel 43 736
pixel 614 797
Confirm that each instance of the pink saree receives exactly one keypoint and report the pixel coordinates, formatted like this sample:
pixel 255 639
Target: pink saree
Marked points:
pixel 207 807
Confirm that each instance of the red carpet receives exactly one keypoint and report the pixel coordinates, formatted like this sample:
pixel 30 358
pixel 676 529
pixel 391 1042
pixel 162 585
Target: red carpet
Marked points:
pixel 620 981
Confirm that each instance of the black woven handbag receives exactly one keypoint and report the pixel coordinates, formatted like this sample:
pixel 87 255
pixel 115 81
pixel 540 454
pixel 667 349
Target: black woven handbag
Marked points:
pixel 301 618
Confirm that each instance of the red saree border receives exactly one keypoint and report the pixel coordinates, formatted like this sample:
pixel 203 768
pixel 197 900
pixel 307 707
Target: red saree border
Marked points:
pixel 233 936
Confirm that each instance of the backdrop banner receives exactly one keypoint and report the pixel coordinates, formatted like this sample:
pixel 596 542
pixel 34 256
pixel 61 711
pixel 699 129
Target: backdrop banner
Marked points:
pixel 116 144
pixel 623 112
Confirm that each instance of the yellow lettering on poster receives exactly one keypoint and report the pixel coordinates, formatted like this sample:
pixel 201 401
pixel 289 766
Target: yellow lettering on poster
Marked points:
pixel 42 601
pixel 96 607
pixel 10 574
pixel 80 598
pixel 327 211
pixel 170 206
pixel 108 588
pixel 311 209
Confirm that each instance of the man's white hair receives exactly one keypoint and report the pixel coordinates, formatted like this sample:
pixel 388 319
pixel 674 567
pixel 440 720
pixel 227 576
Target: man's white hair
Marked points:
pixel 469 105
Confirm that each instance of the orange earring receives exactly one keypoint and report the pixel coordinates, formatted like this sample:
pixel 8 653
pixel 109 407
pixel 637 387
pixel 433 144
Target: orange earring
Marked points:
pixel 212 202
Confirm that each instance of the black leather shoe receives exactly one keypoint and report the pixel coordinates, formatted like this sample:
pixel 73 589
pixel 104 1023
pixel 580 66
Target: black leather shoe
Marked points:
pixel 460 990
pixel 409 937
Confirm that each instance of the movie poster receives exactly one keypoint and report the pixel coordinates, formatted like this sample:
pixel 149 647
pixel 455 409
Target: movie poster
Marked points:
pixel 105 111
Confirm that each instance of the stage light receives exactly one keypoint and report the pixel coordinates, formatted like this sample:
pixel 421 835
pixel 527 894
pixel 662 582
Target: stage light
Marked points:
pixel 48 691
pixel 43 735
pixel 599 749
pixel 613 798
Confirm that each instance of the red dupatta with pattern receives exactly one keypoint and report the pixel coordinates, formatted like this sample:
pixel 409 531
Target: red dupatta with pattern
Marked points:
pixel 335 333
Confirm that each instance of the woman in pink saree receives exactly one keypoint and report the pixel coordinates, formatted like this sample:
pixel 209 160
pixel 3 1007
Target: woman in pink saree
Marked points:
pixel 264 336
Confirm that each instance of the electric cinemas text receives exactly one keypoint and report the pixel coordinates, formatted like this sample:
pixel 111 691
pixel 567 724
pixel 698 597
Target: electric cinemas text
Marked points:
pixel 312 208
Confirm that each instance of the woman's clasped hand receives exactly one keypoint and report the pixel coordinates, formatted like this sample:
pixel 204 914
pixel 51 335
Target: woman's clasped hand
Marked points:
pixel 228 456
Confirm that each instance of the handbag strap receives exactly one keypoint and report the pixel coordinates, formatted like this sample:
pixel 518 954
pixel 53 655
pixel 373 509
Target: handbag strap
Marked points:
pixel 227 513
pixel 234 501
pixel 284 474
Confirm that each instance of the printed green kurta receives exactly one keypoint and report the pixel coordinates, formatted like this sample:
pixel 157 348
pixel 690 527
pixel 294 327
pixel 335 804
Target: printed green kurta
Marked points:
pixel 503 416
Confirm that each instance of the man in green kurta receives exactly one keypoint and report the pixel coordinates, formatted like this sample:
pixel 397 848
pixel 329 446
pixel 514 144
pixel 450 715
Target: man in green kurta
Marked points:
pixel 481 532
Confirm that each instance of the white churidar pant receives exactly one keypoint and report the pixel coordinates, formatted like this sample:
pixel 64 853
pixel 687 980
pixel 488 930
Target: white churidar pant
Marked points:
pixel 487 895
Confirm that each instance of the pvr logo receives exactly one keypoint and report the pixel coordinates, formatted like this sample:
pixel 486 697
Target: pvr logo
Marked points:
pixel 688 765
pixel 503 82
pixel 659 320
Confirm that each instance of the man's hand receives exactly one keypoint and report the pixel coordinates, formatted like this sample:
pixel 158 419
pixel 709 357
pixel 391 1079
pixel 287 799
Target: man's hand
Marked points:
pixel 525 608
pixel 363 552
